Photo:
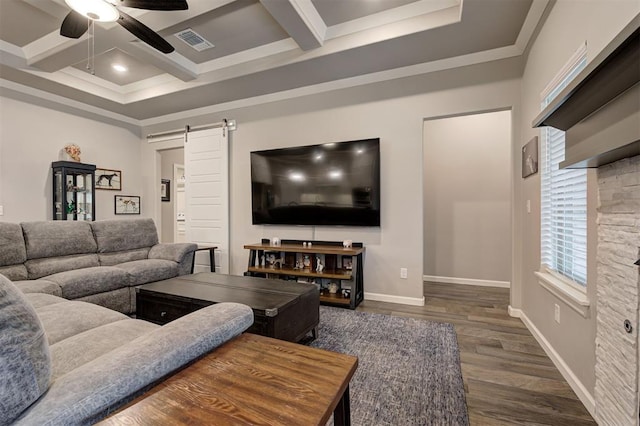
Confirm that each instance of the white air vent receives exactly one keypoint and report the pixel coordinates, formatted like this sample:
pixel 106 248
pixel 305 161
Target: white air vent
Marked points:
pixel 194 39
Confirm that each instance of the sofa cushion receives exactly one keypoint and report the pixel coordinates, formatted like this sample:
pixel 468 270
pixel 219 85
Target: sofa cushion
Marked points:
pixel 95 389
pixel 110 259
pixel 63 320
pixel 38 268
pixel 14 272
pixel 120 235
pixel 87 281
pixel 25 364
pixel 57 238
pixel 71 353
pixel 39 286
pixel 149 270
pixel 12 248
pixel 117 300
pixel 38 300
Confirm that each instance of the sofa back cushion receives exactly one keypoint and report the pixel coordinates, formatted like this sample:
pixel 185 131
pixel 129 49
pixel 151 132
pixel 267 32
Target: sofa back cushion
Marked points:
pixel 57 238
pixel 38 268
pixel 14 272
pixel 12 252
pixel 12 249
pixel 115 258
pixel 25 361
pixel 122 235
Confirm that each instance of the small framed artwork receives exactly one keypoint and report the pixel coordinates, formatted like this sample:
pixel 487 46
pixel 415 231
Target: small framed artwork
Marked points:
pixel 109 179
pixel 530 158
pixel 347 262
pixel 165 189
pixel 127 204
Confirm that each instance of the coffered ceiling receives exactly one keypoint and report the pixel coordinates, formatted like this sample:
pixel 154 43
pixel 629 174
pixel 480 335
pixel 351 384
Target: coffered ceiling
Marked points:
pixel 260 49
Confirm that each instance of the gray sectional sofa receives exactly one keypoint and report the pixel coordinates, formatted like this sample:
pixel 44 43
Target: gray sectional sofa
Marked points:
pixel 99 262
pixel 73 363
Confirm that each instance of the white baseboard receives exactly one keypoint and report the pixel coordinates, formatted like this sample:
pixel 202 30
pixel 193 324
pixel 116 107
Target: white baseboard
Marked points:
pixel 514 312
pixel 467 281
pixel 583 394
pixel 413 301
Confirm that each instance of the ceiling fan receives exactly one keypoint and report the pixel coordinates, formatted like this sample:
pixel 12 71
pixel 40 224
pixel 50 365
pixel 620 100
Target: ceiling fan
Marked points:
pixel 76 23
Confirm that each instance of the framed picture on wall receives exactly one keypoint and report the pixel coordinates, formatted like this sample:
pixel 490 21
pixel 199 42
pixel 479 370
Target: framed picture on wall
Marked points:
pixel 165 189
pixel 126 204
pixel 530 158
pixel 109 179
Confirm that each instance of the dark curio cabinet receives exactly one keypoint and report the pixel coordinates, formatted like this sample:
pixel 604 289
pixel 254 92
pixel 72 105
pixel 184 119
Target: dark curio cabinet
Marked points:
pixel 73 191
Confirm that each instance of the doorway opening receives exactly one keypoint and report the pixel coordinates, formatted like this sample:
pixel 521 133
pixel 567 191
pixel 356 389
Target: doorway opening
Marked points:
pixel 468 199
pixel 172 210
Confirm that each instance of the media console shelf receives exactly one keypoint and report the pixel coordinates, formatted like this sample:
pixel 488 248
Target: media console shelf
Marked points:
pixel 342 267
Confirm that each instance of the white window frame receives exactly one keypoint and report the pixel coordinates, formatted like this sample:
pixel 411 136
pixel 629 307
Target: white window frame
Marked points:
pixel 565 288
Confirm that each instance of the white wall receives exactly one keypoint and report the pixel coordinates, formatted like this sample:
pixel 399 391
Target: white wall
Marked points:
pixel 467 198
pixel 569 24
pixel 395 112
pixel 30 140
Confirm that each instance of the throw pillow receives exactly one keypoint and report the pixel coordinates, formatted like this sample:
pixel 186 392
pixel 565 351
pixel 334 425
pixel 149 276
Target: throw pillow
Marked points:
pixel 25 362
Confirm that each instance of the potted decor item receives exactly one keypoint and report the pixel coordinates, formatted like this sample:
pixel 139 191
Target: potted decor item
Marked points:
pixel 70 152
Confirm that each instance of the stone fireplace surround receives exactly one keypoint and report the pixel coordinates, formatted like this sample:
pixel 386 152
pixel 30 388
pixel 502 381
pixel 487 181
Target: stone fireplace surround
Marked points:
pixel 618 284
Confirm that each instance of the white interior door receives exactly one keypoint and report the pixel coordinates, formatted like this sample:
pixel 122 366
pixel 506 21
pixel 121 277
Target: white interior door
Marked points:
pixel 207 195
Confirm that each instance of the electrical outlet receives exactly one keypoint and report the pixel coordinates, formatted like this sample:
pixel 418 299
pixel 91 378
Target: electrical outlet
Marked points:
pixel 556 314
pixel 403 273
pixel 528 206
pixel 1 210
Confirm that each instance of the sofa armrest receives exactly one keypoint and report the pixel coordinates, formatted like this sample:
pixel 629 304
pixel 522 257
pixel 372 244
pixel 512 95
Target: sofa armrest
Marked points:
pixel 182 253
pixel 96 389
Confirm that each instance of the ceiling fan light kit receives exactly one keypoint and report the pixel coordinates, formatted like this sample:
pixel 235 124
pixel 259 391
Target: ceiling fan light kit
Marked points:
pixel 96 10
pixel 76 23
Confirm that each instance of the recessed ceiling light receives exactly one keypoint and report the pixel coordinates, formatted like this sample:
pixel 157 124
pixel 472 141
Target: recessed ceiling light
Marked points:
pixel 335 174
pixel 296 177
pixel 119 68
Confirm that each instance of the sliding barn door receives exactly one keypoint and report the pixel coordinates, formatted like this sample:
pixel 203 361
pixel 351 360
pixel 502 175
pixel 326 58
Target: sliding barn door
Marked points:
pixel 207 195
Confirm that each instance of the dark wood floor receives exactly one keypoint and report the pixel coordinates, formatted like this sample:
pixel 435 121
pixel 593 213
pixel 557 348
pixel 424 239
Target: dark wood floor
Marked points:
pixel 508 378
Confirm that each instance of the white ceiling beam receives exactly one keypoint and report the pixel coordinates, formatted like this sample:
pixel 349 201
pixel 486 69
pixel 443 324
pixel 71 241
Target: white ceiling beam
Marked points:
pixel 300 20
pixel 391 16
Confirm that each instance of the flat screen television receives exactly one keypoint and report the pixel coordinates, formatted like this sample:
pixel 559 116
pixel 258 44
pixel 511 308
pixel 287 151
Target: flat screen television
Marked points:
pixel 327 184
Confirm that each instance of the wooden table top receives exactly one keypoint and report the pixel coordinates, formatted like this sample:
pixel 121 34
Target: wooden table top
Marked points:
pixel 299 248
pixel 249 380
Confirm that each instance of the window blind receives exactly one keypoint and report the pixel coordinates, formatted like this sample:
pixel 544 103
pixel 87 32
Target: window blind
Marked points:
pixel 563 193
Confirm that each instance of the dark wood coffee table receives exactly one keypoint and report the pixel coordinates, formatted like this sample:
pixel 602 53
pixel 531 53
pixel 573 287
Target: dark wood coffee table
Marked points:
pixel 250 380
pixel 282 309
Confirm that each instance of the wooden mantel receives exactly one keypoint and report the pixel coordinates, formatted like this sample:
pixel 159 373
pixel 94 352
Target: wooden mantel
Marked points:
pixel 600 109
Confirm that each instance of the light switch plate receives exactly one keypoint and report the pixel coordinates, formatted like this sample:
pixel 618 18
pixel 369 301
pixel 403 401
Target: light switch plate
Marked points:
pixel 1 210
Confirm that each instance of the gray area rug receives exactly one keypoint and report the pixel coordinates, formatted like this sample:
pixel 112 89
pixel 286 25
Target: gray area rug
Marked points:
pixel 408 369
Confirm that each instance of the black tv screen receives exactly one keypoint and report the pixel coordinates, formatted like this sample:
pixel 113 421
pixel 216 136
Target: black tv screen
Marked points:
pixel 328 184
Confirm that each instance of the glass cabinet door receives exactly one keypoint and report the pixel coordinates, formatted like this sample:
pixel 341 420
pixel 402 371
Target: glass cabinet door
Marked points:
pixel 73 191
pixel 58 209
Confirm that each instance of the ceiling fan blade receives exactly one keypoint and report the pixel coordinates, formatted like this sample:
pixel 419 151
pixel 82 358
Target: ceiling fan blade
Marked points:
pixel 155 4
pixel 74 25
pixel 144 33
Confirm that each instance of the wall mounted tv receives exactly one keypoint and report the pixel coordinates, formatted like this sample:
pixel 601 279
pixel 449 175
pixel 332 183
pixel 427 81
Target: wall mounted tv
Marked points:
pixel 328 184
